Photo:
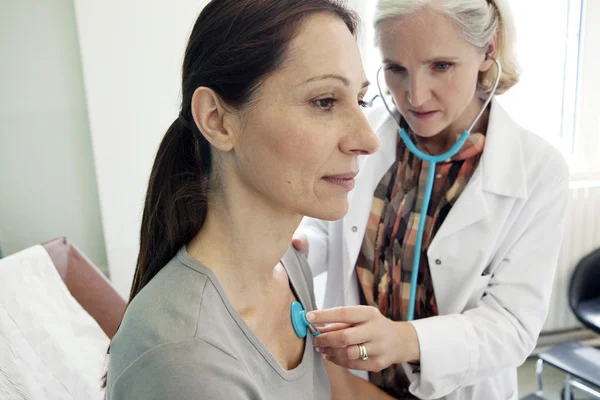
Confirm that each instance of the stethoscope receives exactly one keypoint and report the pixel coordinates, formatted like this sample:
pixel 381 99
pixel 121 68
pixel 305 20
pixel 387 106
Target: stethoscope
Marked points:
pixel 299 323
pixel 297 313
pixel 432 160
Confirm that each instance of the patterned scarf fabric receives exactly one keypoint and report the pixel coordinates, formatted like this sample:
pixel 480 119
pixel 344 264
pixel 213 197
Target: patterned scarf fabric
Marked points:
pixel 384 264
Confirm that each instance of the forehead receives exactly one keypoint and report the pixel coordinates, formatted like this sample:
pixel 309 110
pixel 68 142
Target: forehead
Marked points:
pixel 425 34
pixel 324 45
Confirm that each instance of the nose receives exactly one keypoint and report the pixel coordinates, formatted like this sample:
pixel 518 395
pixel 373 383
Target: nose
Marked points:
pixel 360 138
pixel 418 92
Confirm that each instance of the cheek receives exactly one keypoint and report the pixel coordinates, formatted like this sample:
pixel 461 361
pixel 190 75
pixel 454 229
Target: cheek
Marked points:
pixel 265 138
pixel 400 99
pixel 459 90
pixel 283 153
pixel 293 146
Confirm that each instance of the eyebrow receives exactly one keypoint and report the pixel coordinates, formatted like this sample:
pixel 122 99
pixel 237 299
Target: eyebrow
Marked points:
pixel 429 61
pixel 340 78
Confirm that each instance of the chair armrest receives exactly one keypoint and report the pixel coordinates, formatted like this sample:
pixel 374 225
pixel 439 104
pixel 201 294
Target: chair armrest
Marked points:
pixel 87 284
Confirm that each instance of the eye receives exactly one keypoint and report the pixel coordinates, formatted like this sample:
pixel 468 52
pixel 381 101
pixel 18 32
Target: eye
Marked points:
pixel 442 66
pixel 325 104
pixel 395 69
pixel 363 104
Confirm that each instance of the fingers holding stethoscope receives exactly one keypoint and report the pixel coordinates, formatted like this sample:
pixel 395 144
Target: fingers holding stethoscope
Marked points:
pixel 362 338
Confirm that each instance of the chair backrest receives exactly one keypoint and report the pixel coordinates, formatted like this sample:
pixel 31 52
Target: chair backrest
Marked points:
pixel 585 281
pixel 87 284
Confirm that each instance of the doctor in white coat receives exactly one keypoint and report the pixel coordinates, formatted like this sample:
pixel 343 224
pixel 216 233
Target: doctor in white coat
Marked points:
pixel 494 227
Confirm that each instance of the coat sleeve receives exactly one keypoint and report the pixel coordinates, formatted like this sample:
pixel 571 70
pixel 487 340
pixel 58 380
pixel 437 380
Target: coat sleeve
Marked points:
pixel 459 350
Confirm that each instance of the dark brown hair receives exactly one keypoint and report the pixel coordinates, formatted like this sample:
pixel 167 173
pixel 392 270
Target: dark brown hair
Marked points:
pixel 233 47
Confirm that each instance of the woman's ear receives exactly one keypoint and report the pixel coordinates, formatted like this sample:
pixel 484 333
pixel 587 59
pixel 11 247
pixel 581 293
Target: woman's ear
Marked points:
pixel 490 54
pixel 210 116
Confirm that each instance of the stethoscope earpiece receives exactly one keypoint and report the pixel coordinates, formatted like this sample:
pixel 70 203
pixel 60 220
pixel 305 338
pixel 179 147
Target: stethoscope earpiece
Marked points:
pixel 370 102
pixel 299 322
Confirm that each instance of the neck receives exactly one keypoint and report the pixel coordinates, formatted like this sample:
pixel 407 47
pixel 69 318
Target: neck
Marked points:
pixel 444 140
pixel 242 241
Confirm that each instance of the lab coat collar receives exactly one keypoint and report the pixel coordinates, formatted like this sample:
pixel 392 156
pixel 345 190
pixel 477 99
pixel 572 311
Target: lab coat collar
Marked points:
pixel 502 164
pixel 501 169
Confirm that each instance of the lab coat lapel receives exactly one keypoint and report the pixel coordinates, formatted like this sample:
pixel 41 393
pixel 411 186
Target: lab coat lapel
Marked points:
pixel 462 244
pixel 500 172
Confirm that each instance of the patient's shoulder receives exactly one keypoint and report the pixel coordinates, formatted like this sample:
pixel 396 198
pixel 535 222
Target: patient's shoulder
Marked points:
pixel 166 310
pixel 183 370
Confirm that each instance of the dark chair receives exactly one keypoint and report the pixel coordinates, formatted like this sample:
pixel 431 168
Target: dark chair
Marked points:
pixel 580 363
pixel 584 291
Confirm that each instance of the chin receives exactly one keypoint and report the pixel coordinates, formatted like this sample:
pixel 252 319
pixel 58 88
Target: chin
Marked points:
pixel 329 212
pixel 426 130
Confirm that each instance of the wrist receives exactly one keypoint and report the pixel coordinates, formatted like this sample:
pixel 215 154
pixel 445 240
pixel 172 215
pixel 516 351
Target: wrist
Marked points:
pixel 408 346
pixel 416 349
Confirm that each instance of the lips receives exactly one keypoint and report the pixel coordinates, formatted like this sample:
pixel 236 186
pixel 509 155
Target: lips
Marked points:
pixel 423 114
pixel 349 175
pixel 345 181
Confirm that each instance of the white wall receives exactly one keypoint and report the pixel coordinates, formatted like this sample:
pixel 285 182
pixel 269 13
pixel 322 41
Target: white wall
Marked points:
pixel 46 169
pixel 587 145
pixel 132 53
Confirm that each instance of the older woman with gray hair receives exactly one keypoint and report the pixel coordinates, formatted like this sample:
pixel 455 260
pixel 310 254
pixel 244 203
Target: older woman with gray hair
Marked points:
pixel 439 276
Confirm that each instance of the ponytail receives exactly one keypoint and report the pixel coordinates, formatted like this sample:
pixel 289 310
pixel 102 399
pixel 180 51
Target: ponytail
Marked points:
pixel 176 201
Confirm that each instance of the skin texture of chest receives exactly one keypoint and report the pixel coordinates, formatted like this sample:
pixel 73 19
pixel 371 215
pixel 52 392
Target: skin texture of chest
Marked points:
pixel 271 323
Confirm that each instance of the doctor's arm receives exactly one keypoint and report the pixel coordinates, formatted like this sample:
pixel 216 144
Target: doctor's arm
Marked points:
pixel 501 331
pixel 316 236
pixel 458 350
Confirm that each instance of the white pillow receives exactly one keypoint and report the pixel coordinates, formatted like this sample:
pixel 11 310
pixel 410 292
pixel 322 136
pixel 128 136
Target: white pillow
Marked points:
pixel 50 347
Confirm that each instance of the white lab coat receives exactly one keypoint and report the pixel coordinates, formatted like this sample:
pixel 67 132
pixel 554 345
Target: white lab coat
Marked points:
pixel 492 261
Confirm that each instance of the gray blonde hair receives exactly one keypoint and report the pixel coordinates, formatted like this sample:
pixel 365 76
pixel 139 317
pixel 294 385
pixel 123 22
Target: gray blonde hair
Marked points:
pixel 478 21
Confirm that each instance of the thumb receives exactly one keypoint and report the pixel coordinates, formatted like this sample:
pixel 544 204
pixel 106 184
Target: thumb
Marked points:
pixel 300 243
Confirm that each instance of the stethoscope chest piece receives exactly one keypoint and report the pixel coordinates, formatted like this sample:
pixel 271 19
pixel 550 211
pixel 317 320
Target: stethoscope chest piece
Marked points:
pixel 299 322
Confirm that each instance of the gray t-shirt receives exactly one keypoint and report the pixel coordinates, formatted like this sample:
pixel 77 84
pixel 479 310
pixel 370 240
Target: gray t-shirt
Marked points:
pixel 181 339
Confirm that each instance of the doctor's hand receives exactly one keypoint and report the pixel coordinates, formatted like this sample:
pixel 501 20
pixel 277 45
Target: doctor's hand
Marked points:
pixel 386 342
pixel 300 243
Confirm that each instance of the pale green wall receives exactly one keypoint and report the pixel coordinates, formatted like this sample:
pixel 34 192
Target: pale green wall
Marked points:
pixel 47 180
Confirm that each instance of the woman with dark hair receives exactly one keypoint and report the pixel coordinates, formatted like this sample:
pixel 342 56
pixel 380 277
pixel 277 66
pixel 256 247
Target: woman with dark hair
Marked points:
pixel 270 130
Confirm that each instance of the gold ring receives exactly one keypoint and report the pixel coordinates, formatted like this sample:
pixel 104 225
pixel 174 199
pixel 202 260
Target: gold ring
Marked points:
pixel 362 352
